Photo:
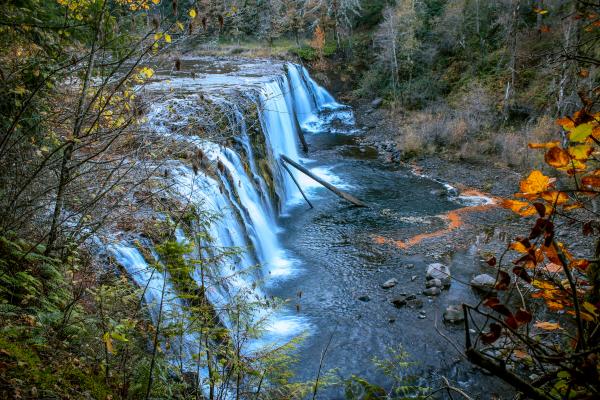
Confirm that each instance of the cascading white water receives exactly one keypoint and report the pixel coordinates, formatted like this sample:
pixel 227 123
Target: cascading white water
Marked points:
pixel 236 191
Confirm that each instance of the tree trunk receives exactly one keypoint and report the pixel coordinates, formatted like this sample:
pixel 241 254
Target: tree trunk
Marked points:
pixel 65 169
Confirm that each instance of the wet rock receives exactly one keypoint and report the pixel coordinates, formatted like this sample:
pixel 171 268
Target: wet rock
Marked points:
pixel 364 298
pixel 433 283
pixel 390 283
pixel 409 266
pixel 412 278
pixel 484 282
pixel 439 192
pixel 422 315
pixel 454 314
pixel 377 102
pixel 439 271
pixel 415 303
pixel 432 291
pixel 399 301
pixel 411 297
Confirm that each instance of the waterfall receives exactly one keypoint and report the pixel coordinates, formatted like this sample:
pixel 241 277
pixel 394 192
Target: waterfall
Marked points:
pixel 232 189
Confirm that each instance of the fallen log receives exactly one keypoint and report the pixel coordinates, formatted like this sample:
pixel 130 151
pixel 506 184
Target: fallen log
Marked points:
pixel 296 182
pixel 340 193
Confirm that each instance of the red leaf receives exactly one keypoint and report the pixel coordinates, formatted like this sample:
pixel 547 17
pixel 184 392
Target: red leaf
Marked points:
pixel 492 261
pixel 493 334
pixel 541 209
pixel 494 304
pixel 523 316
pixel 522 273
pixel 512 322
pixel 503 280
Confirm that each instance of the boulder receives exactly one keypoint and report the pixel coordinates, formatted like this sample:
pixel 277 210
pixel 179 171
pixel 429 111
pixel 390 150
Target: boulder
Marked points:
pixel 364 298
pixel 377 102
pixel 454 314
pixel 484 282
pixel 439 271
pixel 415 303
pixel 432 291
pixel 390 283
pixel 433 283
pixel 399 301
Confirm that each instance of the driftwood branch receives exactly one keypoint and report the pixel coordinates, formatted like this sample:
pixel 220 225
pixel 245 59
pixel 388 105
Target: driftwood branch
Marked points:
pixel 296 182
pixel 340 193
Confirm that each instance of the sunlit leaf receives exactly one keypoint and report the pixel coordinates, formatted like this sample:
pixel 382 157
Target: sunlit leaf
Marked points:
pixel 534 184
pixel 522 208
pixel 581 132
pixel 192 13
pixel 547 326
pixel 547 145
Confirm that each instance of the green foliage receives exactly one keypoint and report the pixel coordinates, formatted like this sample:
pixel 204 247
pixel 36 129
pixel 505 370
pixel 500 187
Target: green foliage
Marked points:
pixel 308 53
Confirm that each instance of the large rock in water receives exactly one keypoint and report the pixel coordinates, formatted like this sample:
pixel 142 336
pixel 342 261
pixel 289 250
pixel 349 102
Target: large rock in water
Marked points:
pixel 454 314
pixel 439 271
pixel 390 283
pixel 484 282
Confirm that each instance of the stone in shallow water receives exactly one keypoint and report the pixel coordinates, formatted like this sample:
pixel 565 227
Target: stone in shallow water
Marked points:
pixel 454 314
pixel 432 291
pixel 364 298
pixel 390 283
pixel 433 283
pixel 439 271
pixel 483 282
pixel 399 301
pixel 415 303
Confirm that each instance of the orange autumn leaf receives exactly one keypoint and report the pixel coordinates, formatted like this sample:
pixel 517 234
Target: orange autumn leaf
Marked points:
pixel 534 184
pixel 591 181
pixel 565 122
pixel 554 305
pixel 557 157
pixel 547 326
pixel 547 145
pixel 542 285
pixel 518 246
pixel 522 208
pixel 555 197
pixel 580 264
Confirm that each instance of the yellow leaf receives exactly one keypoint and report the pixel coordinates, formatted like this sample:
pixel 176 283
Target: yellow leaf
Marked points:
pixel 555 197
pixel 580 132
pixel 180 26
pixel 590 308
pixel 157 36
pixel 156 2
pixel 167 38
pixel 518 246
pixel 580 152
pixel 547 326
pixel 522 208
pixel 108 341
pixel 535 183
pixel 192 13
